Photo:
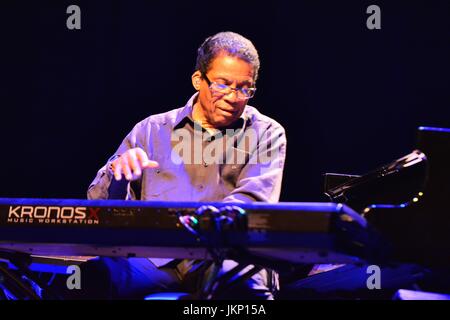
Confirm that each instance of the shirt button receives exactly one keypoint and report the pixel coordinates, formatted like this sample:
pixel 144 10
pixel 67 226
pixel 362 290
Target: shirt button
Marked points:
pixel 205 164
pixel 200 186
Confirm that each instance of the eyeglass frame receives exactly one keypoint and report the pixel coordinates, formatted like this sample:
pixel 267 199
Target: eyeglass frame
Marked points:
pixel 210 83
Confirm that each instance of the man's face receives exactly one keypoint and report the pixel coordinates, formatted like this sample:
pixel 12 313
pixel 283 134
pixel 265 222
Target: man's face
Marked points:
pixel 215 109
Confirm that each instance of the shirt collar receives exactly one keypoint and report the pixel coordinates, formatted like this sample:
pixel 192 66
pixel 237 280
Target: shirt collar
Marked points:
pixel 186 112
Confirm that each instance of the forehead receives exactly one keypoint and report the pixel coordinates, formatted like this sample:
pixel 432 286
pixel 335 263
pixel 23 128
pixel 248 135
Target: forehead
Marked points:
pixel 231 68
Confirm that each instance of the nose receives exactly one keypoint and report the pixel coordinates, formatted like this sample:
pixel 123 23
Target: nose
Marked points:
pixel 232 96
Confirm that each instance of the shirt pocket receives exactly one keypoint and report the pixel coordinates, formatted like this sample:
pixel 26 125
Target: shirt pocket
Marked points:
pixel 162 183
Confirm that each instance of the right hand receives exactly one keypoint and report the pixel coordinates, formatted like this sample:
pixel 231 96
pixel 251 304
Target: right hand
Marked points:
pixel 131 163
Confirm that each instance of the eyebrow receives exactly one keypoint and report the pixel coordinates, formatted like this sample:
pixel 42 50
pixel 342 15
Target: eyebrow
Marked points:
pixel 246 82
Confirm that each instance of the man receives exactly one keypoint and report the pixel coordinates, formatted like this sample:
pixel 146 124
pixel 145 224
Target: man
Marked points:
pixel 215 148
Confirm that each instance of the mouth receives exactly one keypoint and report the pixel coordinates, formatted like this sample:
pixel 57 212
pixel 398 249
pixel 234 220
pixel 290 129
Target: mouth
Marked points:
pixel 227 111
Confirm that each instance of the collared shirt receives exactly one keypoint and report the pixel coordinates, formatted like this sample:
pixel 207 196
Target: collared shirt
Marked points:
pixel 242 163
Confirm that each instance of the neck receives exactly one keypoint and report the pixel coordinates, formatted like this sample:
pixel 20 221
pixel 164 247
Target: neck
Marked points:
pixel 199 117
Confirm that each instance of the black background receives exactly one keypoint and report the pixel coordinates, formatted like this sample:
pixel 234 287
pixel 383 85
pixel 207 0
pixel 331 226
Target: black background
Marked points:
pixel 350 98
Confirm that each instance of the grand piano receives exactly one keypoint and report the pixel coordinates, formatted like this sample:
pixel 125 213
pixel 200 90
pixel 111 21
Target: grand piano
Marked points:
pixel 405 201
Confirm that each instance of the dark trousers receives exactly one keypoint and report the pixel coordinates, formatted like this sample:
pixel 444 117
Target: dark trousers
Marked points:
pixel 135 278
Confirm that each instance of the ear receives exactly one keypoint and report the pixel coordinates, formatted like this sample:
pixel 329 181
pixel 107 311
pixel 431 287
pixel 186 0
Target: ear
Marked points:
pixel 196 79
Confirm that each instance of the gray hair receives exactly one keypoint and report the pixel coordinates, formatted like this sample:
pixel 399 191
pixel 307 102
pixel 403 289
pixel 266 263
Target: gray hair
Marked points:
pixel 230 43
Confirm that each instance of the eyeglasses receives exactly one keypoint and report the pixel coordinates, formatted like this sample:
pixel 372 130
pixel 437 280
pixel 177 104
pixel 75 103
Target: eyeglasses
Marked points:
pixel 223 89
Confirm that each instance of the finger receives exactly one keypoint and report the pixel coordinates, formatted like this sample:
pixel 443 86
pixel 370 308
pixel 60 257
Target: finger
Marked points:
pixel 142 157
pixel 145 162
pixel 134 163
pixel 118 171
pixel 151 164
pixel 126 168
